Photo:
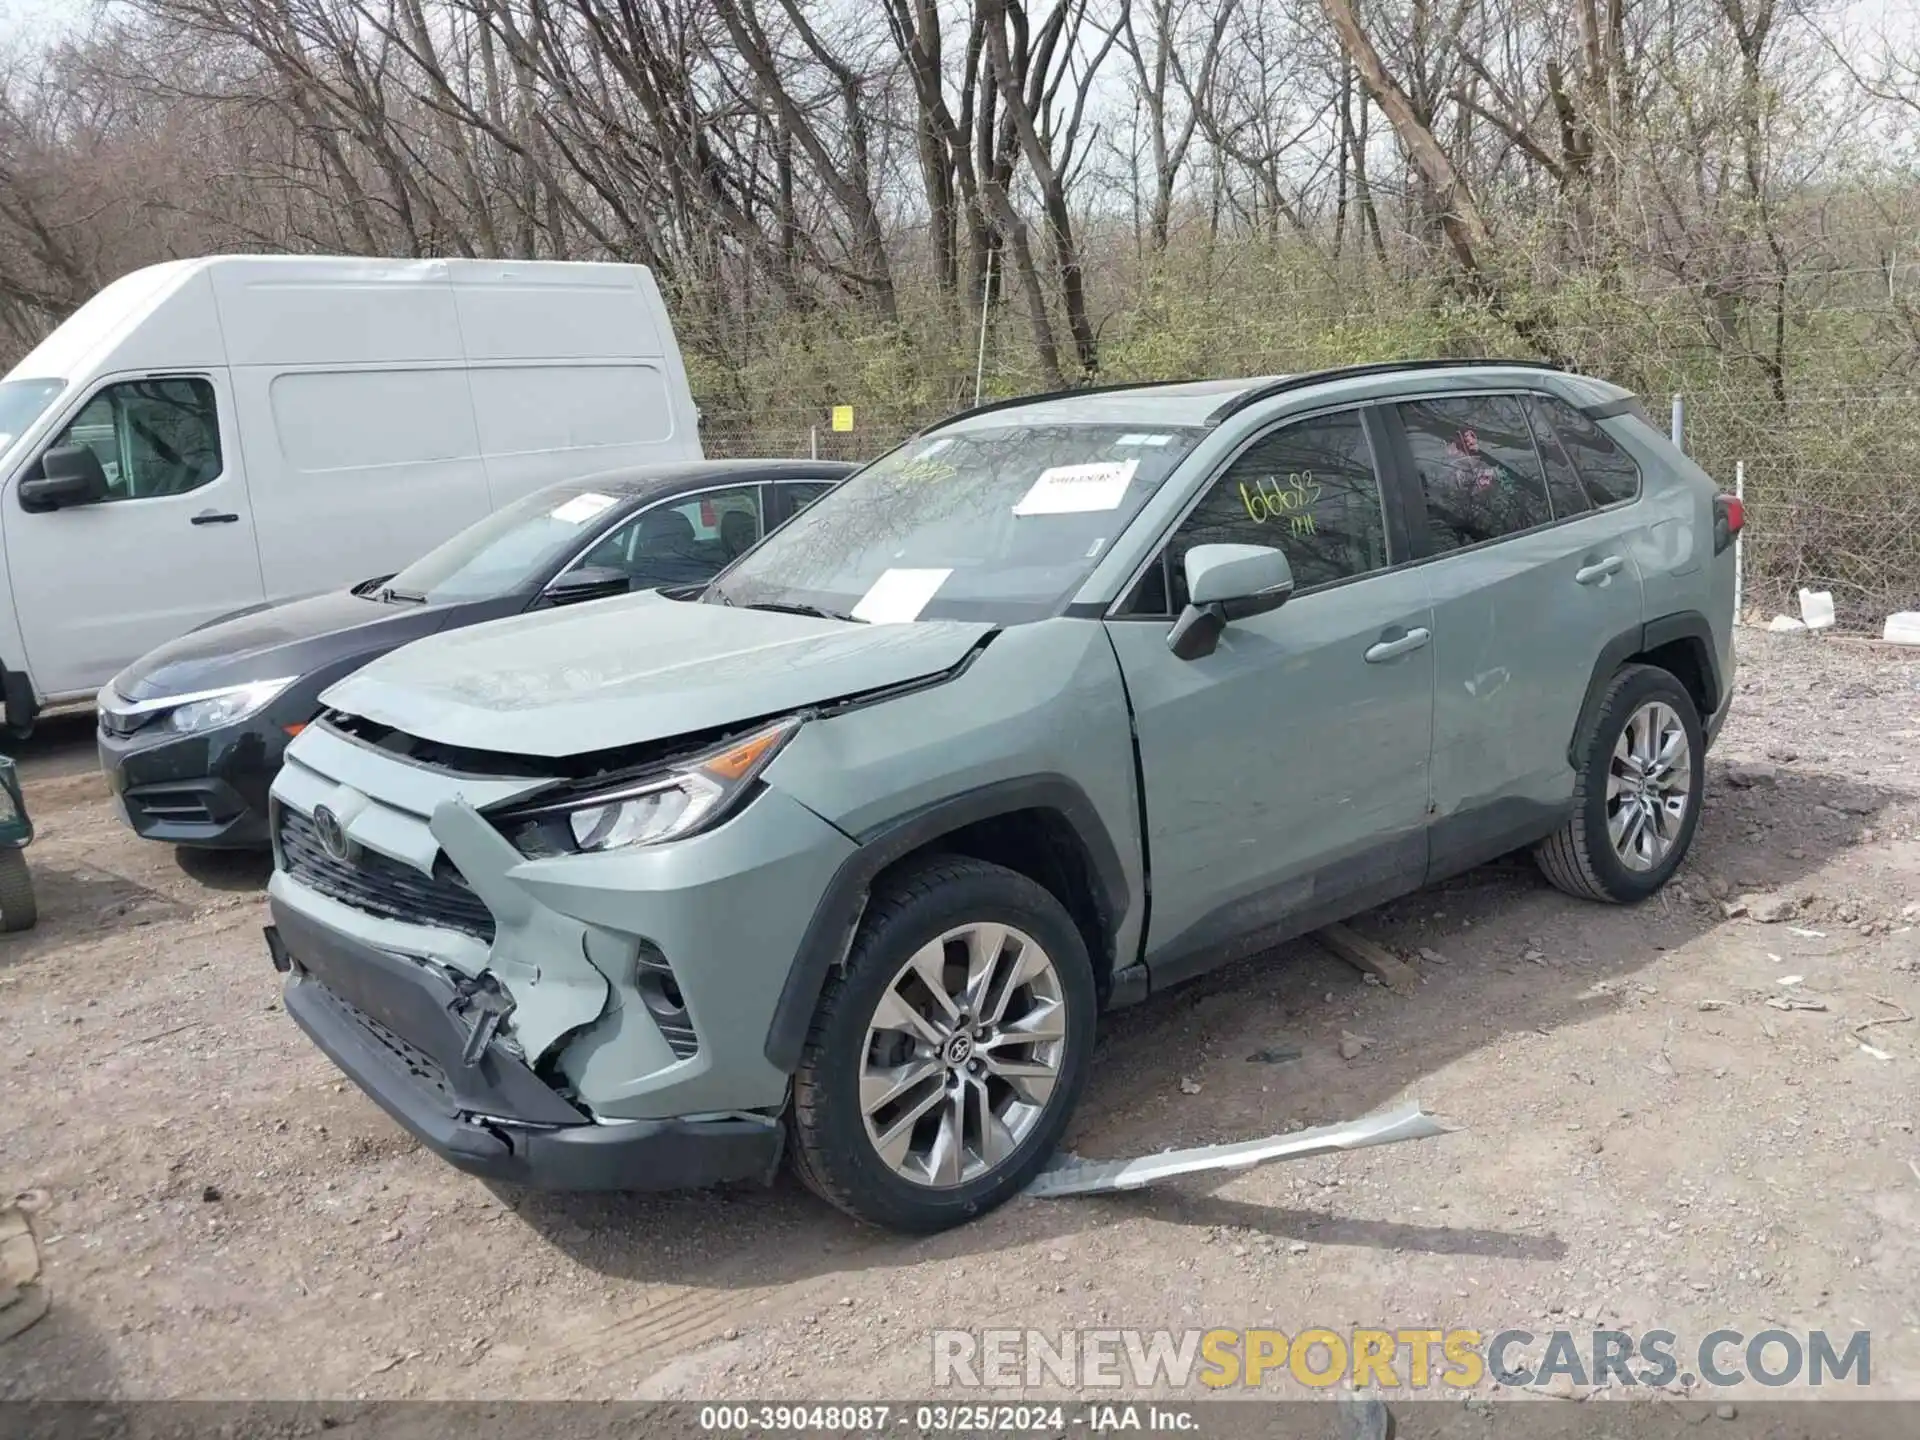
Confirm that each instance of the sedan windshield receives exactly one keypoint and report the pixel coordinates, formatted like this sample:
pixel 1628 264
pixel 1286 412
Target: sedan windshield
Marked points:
pixel 21 403
pixel 993 524
pixel 509 550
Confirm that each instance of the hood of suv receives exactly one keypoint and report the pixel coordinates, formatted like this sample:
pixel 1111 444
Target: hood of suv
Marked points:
pixel 636 669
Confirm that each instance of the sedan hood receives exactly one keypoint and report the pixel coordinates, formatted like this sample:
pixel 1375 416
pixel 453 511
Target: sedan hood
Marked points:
pixel 297 638
pixel 636 669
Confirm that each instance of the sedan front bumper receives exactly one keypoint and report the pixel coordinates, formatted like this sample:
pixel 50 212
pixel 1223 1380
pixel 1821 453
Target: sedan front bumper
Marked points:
pixel 206 789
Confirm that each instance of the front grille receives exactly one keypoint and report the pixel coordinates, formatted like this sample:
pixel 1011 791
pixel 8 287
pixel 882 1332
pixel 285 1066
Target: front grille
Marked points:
pixel 380 886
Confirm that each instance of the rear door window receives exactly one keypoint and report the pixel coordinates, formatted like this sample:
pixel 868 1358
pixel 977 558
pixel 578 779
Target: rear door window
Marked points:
pixel 802 493
pixel 1479 474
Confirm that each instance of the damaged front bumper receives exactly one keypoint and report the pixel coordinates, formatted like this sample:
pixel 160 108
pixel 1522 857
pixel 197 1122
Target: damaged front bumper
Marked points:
pixel 391 1023
pixel 580 1021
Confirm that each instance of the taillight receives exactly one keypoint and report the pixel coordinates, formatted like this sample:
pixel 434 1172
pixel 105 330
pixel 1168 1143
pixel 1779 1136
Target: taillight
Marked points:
pixel 1729 516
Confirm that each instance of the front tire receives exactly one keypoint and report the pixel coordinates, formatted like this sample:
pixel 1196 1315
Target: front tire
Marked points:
pixel 945 1058
pixel 1638 793
pixel 17 908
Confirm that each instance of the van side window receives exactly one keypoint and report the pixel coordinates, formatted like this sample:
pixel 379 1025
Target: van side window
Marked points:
pixel 153 437
pixel 684 543
pixel 1609 471
pixel 1479 473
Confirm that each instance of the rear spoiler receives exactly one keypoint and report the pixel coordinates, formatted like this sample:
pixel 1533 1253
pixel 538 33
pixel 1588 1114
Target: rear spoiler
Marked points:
pixel 1625 405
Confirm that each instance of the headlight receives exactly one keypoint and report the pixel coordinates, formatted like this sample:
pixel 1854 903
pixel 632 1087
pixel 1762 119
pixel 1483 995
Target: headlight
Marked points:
pixel 679 799
pixel 223 707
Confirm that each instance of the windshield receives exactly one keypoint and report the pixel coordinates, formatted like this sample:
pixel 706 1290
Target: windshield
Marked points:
pixel 1000 525
pixel 508 550
pixel 21 403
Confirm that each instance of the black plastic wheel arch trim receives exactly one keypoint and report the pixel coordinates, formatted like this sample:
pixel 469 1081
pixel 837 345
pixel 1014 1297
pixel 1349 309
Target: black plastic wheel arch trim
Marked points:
pixel 1652 635
pixel 837 916
pixel 16 691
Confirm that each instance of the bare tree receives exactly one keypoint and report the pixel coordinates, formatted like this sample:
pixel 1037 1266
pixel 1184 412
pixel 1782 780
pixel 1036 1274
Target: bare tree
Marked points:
pixel 1174 68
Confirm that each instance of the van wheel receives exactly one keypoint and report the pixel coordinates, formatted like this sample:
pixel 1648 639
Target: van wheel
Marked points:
pixel 1637 796
pixel 948 1053
pixel 17 910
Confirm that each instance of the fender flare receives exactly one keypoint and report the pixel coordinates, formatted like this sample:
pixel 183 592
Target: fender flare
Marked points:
pixel 837 916
pixel 1687 625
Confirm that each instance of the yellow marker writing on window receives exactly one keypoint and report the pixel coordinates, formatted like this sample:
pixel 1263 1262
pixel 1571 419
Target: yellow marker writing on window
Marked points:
pixel 1269 499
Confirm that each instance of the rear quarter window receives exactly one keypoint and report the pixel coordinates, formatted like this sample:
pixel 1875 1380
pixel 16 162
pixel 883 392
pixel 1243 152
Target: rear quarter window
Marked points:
pixel 1610 473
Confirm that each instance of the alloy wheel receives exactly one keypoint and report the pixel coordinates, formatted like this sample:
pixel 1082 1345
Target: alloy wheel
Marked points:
pixel 962 1054
pixel 1649 786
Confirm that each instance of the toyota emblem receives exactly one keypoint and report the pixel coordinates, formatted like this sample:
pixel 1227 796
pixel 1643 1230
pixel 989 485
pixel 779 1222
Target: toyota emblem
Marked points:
pixel 332 834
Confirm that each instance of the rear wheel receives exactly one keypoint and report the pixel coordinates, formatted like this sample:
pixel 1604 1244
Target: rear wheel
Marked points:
pixel 1638 793
pixel 17 909
pixel 945 1059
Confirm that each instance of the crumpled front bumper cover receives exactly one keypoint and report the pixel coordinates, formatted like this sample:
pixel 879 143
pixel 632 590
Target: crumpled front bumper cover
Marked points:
pixel 385 1021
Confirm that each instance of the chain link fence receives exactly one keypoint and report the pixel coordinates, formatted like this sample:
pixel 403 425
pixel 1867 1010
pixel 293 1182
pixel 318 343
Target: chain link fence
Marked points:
pixel 1832 489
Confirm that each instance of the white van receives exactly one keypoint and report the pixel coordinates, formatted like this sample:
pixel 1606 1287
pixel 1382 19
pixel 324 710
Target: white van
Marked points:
pixel 209 435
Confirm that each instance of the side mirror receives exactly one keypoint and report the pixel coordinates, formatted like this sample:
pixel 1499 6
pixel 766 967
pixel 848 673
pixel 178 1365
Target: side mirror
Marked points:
pixel 69 475
pixel 587 582
pixel 1224 583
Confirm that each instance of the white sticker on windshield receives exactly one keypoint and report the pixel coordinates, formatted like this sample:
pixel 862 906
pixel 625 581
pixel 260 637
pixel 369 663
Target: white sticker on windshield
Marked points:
pixel 581 508
pixel 1077 489
pixel 899 596
pixel 1144 440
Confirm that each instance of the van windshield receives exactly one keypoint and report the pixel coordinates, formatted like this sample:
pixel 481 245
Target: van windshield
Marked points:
pixel 996 524
pixel 21 403
pixel 509 550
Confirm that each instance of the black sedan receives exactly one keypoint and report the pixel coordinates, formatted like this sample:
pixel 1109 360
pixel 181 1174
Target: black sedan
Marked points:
pixel 192 734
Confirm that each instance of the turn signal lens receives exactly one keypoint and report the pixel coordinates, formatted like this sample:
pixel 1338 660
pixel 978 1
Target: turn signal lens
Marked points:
pixel 743 759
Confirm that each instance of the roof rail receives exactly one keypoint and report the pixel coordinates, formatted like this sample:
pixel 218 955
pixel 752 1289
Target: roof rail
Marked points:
pixel 1258 393
pixel 1066 394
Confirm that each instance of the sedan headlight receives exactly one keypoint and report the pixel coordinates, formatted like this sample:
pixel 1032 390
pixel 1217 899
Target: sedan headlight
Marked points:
pixel 680 799
pixel 223 707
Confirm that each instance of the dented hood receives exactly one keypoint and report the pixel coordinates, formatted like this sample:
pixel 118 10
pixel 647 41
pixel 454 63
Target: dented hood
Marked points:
pixel 636 669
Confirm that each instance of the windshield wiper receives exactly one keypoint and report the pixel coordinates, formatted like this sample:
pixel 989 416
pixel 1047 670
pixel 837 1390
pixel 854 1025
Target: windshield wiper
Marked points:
pixel 813 610
pixel 409 597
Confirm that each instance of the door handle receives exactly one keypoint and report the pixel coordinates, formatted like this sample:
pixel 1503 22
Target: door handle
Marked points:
pixel 214 517
pixel 1600 569
pixel 1392 649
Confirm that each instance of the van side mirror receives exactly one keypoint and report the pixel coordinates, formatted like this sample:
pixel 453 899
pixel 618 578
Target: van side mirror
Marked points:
pixel 69 475
pixel 586 582
pixel 1226 583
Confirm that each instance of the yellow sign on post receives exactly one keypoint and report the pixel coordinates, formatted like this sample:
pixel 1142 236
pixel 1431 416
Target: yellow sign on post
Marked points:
pixel 842 419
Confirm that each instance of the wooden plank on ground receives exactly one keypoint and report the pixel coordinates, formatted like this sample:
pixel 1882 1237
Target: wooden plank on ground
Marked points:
pixel 1363 954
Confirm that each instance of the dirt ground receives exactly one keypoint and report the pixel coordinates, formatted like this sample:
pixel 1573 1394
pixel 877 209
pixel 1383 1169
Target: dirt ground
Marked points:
pixel 1644 1141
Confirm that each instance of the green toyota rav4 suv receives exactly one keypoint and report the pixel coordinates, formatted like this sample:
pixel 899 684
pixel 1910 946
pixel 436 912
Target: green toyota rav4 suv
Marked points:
pixel 1060 703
